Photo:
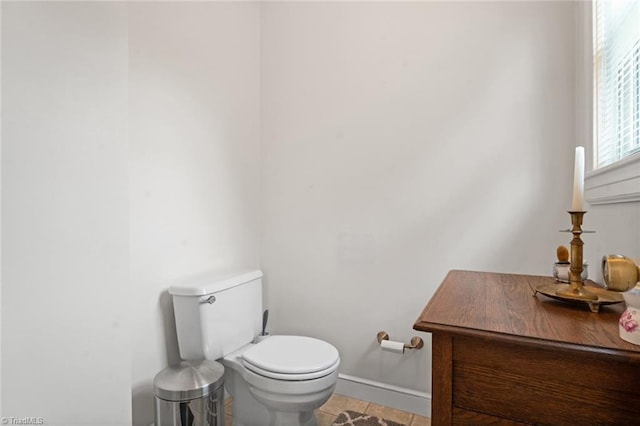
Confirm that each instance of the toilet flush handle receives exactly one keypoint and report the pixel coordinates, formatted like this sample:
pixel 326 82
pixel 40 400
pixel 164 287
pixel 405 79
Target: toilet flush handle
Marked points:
pixel 208 300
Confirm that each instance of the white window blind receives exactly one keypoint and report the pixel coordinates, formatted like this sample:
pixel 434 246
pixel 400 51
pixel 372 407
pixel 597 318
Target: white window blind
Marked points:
pixel 617 71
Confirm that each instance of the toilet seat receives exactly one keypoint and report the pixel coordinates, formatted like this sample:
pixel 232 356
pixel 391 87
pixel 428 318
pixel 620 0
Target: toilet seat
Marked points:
pixel 291 377
pixel 292 358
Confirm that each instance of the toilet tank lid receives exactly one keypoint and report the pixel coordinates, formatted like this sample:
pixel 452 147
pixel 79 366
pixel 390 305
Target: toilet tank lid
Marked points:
pixel 213 282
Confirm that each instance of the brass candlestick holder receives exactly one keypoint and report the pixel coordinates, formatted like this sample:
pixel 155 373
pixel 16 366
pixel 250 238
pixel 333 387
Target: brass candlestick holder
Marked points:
pixel 575 290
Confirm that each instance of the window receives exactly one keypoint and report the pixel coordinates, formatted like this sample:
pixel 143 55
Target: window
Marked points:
pixel 616 54
pixel 617 71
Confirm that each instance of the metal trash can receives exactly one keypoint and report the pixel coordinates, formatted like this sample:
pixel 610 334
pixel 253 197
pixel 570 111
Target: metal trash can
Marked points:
pixel 190 394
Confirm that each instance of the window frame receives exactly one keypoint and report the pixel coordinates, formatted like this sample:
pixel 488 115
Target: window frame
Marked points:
pixel 618 182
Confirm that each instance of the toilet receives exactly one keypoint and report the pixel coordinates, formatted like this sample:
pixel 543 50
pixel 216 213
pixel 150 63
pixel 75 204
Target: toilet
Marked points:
pixel 274 380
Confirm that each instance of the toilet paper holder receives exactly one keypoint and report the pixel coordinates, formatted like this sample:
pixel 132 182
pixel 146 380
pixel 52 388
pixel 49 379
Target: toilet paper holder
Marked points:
pixel 416 342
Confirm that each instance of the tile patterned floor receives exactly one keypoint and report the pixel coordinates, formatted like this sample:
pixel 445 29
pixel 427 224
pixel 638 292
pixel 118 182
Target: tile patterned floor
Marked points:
pixel 338 403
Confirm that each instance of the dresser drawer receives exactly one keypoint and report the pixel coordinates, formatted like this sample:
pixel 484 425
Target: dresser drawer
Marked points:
pixel 534 384
pixel 463 417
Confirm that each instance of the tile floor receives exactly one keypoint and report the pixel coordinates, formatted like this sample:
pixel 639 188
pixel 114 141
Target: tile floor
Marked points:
pixel 338 403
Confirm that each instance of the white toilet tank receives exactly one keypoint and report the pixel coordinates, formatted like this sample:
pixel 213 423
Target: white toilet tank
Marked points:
pixel 218 313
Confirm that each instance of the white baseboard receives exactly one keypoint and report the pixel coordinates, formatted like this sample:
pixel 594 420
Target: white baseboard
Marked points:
pixel 392 396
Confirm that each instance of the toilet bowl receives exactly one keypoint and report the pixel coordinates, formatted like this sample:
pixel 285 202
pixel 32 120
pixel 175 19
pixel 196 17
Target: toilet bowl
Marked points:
pixel 277 381
pixel 281 380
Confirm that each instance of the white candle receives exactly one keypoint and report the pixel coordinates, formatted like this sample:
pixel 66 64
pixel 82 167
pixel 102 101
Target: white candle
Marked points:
pixel 578 181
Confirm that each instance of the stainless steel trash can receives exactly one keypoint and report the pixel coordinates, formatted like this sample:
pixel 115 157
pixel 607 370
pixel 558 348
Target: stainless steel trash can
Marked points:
pixel 190 394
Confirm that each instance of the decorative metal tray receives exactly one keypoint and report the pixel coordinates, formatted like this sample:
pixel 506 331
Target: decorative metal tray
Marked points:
pixel 605 297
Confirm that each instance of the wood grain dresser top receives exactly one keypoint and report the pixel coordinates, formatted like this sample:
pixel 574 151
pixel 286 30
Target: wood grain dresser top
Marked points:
pixel 502 306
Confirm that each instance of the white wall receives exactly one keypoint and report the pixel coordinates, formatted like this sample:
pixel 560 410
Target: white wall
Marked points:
pixel 0 213
pixel 402 140
pixel 130 160
pixel 65 260
pixel 194 124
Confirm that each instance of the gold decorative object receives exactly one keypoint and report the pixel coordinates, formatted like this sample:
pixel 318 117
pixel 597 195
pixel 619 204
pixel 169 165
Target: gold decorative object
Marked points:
pixel 620 273
pixel 575 289
pixel 603 296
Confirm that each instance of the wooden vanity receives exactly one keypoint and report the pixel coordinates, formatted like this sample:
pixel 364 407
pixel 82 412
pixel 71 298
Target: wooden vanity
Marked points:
pixel 504 356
